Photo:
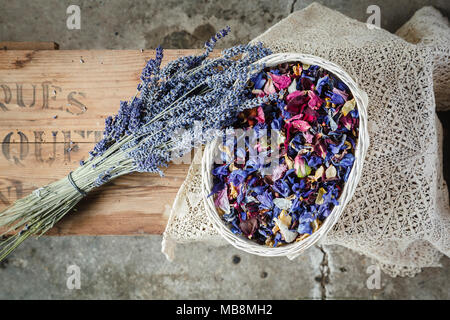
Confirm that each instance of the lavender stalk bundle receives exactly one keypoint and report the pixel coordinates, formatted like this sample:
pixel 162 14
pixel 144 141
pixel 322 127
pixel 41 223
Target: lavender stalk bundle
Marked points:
pixel 140 138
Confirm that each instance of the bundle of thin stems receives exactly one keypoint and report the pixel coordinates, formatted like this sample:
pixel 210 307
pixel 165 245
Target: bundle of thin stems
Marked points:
pixel 38 212
pixel 140 137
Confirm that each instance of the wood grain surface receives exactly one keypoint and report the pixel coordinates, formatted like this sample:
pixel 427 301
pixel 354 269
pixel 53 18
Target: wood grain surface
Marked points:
pixel 28 45
pixel 52 109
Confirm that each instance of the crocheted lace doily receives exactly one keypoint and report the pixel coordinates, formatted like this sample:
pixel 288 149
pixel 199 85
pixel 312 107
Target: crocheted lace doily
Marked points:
pixel 399 214
pixel 429 28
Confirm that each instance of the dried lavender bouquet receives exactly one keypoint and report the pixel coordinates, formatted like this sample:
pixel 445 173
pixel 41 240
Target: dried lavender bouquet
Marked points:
pixel 187 91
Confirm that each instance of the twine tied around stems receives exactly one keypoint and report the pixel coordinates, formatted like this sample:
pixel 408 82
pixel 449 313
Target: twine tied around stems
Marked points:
pixel 69 177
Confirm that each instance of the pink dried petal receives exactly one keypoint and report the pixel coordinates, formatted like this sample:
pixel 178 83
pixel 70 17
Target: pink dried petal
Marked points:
pixel 269 88
pixel 294 94
pixel 308 137
pixel 278 172
pixel 296 117
pixel 281 82
pixel 314 100
pixel 297 104
pixel 343 94
pixel 260 117
pixel 347 121
pixel 301 168
pixel 321 149
pixel 288 127
pixel 310 115
pixel 301 125
pixel 221 200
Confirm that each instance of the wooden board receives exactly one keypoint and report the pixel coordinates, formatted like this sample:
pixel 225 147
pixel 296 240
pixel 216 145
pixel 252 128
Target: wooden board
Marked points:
pixel 8 45
pixel 54 100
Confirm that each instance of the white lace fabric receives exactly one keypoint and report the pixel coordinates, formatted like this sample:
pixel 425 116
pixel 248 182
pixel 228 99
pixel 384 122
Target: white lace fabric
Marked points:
pixel 187 220
pixel 399 214
pixel 430 29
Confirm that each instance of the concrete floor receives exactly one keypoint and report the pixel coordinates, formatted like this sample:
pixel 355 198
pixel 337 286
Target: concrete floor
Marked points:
pixel 120 24
pixel 133 267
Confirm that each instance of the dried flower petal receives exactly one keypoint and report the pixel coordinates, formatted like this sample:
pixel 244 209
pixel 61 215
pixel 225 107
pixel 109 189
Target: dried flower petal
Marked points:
pixel 297 102
pixel 292 87
pixel 301 168
pixel 319 173
pixel 320 149
pixel 319 199
pixel 282 203
pixel 269 87
pixel 285 217
pixel 280 82
pixel 259 81
pixel 260 116
pixel 341 93
pixel 249 226
pixel 222 202
pixel 288 235
pixel 330 172
pixel 300 125
pixel 308 137
pixel 293 94
pixel 347 121
pixel 278 172
pixel 314 100
pixel 348 106
pixel 304 228
pixel 297 70
pixel 289 162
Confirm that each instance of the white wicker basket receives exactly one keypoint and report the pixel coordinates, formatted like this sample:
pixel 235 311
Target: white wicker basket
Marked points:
pixel 295 248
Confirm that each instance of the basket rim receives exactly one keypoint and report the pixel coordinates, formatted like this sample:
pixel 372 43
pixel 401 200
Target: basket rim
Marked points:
pixel 296 247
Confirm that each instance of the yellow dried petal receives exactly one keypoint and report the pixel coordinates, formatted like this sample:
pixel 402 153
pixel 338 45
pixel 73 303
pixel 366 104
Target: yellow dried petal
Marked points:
pixel 302 237
pixel 316 225
pixel 220 211
pixel 348 106
pixel 348 144
pixel 331 172
pixel 291 197
pixel 319 199
pixel 285 218
pixel 319 173
pixel 297 70
pixel 233 191
pixel 275 229
pixel 289 162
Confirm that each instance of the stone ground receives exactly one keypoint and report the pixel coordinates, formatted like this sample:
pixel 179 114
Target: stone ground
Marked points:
pixel 133 267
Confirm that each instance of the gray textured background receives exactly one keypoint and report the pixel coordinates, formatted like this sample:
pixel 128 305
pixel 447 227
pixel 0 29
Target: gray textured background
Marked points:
pixel 133 267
